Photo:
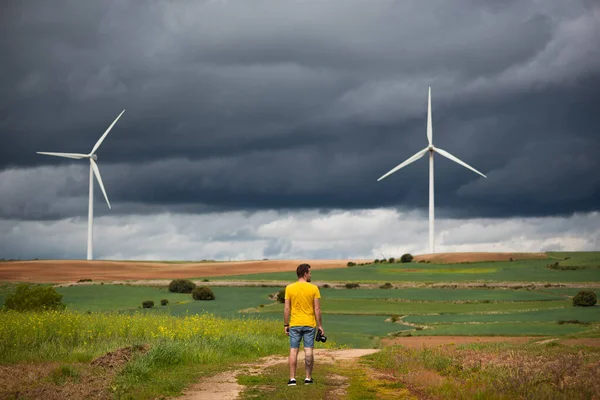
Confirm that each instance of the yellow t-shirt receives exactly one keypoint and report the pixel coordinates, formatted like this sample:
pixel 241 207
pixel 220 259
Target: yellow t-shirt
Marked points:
pixel 301 296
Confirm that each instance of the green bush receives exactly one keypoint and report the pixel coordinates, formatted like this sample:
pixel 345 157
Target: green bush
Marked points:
pixel 376 261
pixel 281 296
pixel 181 286
pixel 352 285
pixel 392 260
pixel 148 304
pixel 585 298
pixel 351 264
pixel 326 286
pixel 28 297
pixel 164 302
pixel 406 258
pixel 203 293
pixel 386 285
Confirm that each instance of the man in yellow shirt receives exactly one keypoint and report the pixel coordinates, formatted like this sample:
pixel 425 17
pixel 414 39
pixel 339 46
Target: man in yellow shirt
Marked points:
pixel 301 319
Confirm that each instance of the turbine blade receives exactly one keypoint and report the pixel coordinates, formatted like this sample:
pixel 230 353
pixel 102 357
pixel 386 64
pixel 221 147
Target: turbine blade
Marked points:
pixel 429 127
pixel 99 142
pixel 455 159
pixel 76 156
pixel 99 178
pixel 405 163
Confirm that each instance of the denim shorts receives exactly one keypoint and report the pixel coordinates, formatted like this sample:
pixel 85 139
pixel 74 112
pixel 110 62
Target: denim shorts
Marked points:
pixel 307 333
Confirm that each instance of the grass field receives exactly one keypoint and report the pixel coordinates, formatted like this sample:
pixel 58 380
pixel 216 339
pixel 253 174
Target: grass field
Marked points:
pixel 357 317
pixel 517 271
pixel 188 339
pixel 181 349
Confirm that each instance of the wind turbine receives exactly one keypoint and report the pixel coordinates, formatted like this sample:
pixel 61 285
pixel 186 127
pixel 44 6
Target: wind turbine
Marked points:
pixel 431 149
pixel 93 171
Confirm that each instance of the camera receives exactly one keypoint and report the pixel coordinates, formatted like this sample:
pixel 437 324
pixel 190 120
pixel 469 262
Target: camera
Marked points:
pixel 320 338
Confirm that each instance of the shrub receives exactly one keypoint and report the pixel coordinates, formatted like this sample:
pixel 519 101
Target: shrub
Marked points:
pixel 572 321
pixel 84 280
pixel 205 280
pixel 281 296
pixel 28 297
pixel 376 261
pixel 406 258
pixel 386 285
pixel 148 304
pixel 395 318
pixel 326 286
pixel 181 286
pixel 392 260
pixel 164 302
pixel 352 285
pixel 585 298
pixel 203 293
pixel 351 264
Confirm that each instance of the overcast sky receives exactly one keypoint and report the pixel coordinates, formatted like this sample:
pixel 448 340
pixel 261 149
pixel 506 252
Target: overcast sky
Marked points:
pixel 258 129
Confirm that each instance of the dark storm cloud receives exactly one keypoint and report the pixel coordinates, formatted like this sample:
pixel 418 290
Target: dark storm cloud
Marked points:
pixel 259 105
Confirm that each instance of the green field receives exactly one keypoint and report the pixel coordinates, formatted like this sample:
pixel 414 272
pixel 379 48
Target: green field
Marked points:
pixel 517 271
pixel 360 317
pixel 435 294
pixel 357 317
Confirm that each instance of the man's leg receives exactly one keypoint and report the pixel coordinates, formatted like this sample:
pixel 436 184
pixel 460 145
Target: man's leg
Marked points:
pixel 295 336
pixel 293 360
pixel 309 361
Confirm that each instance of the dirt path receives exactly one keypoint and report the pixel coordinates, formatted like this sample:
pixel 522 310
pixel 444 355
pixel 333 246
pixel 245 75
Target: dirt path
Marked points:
pixel 224 386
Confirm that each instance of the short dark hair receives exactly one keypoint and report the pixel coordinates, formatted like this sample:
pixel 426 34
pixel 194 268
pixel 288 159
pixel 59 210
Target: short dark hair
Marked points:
pixel 302 270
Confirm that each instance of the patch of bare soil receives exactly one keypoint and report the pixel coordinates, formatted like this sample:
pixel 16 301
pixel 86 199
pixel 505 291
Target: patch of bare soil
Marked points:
pixel 63 271
pixel 453 258
pixel 35 381
pixel 591 342
pixel 417 342
pixel 48 381
pixel 118 358
pixel 224 386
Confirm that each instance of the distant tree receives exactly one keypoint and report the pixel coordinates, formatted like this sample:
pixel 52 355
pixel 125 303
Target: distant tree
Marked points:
pixel 181 286
pixel 28 297
pixel 351 264
pixel 376 261
pixel 406 258
pixel 203 293
pixel 281 296
pixel 148 304
pixel 392 260
pixel 585 298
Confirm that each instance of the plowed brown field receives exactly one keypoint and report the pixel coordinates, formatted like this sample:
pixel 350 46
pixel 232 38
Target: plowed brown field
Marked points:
pixel 452 258
pixel 64 271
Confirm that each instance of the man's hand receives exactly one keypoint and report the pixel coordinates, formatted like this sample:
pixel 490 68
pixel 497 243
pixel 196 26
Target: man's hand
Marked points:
pixel 286 330
pixel 322 331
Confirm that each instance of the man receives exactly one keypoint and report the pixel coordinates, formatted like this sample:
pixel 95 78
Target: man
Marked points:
pixel 301 318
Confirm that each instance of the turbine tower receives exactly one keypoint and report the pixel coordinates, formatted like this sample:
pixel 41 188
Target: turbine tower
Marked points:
pixel 431 149
pixel 93 171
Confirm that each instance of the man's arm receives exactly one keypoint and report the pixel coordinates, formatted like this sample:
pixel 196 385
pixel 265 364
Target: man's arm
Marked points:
pixel 286 317
pixel 317 304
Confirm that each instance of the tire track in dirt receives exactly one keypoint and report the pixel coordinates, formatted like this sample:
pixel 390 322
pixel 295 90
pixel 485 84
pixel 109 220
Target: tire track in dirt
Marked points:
pixel 224 386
